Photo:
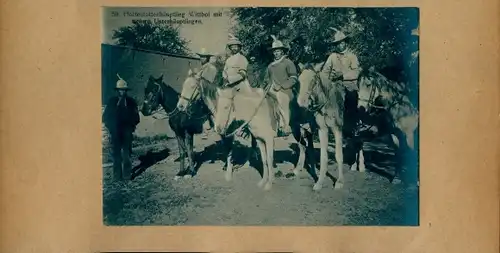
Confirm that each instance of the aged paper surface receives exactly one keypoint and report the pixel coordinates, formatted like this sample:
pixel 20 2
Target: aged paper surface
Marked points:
pixel 51 153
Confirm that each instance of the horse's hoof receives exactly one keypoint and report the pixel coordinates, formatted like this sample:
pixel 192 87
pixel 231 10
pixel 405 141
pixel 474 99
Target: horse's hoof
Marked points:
pixel 354 167
pixel 176 178
pixel 289 175
pixel 317 186
pixel 187 176
pixel 268 186
pixel 362 168
pixel 339 185
pixel 228 177
pixel 261 183
pixel 278 174
pixel 396 181
pixel 296 172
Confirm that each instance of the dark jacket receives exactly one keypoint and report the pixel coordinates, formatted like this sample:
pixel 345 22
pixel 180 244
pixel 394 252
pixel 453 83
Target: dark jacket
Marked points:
pixel 121 116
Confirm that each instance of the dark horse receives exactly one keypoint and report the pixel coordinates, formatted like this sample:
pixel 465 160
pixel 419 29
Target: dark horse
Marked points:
pixel 384 106
pixel 185 122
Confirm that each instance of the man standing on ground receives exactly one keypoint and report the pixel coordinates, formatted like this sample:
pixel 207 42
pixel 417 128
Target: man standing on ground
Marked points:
pixel 121 117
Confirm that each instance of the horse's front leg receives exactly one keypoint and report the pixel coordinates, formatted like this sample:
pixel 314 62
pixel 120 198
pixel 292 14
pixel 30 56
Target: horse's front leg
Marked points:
pixel 299 135
pixel 339 156
pixel 269 147
pixel 190 155
pixel 323 140
pixel 227 143
pixel 182 155
pixel 265 166
pixel 359 162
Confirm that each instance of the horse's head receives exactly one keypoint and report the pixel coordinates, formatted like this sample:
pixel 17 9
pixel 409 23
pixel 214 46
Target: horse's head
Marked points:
pixel 152 95
pixel 307 79
pixel 368 89
pixel 190 90
pixel 222 120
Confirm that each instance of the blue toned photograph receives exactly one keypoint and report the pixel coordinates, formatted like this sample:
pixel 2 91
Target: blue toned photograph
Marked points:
pixel 260 116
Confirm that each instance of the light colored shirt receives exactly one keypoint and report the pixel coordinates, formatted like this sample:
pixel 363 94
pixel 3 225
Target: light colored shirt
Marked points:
pixel 346 63
pixel 235 68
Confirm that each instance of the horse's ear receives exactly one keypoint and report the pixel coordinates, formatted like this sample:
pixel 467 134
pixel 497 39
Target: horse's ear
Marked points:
pixel 190 72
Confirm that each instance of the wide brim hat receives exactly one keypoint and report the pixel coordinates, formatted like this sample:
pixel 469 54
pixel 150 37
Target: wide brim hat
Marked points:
pixel 121 84
pixel 233 41
pixel 338 36
pixel 277 44
pixel 203 53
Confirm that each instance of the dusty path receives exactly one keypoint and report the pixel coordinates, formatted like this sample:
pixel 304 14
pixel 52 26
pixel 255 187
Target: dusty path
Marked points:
pixel 155 198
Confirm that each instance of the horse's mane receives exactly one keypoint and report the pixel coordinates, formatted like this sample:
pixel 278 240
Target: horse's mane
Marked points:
pixel 208 90
pixel 325 91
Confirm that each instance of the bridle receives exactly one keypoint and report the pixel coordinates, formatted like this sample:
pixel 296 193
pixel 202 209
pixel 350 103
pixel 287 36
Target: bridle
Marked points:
pixel 316 81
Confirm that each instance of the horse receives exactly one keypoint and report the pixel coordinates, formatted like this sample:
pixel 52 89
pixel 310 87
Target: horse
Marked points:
pixel 200 91
pixel 325 101
pixel 259 121
pixel 184 121
pixel 383 104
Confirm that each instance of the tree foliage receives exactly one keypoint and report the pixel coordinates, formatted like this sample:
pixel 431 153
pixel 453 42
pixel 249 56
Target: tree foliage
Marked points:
pixel 381 37
pixel 144 34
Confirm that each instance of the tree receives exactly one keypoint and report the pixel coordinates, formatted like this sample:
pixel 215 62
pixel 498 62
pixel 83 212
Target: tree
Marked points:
pixel 144 34
pixel 380 36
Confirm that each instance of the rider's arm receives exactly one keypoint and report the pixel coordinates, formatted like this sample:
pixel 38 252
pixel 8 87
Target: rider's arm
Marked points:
pixel 292 72
pixel 354 69
pixel 327 67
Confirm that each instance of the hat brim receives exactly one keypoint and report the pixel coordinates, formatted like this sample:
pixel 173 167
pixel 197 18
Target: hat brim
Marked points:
pixel 338 41
pixel 234 44
pixel 276 48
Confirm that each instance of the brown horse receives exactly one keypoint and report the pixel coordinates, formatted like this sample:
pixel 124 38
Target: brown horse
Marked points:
pixel 185 122
pixel 383 104
pixel 322 97
pixel 200 91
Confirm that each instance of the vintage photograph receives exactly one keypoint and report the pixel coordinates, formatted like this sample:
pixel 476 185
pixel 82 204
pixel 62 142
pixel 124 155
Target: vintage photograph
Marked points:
pixel 260 116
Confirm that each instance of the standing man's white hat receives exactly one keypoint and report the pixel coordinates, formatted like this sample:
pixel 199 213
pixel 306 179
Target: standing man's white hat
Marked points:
pixel 121 84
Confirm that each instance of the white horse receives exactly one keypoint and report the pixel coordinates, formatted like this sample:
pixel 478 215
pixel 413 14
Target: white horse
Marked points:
pixel 319 95
pixel 256 110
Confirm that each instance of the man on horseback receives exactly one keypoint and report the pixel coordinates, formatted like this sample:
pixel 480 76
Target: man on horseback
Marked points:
pixel 282 75
pixel 121 117
pixel 342 68
pixel 235 67
pixel 206 78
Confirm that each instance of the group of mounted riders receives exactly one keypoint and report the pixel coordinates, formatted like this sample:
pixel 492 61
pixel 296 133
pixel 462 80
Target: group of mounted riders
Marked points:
pixel 341 68
pixel 282 74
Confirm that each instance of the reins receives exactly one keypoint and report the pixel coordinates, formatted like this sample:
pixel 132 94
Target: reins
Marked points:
pixel 253 115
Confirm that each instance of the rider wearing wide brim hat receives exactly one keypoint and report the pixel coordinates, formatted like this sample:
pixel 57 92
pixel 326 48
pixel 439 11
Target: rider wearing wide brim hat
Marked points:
pixel 233 41
pixel 204 53
pixel 342 68
pixel 282 75
pixel 338 36
pixel 235 67
pixel 278 44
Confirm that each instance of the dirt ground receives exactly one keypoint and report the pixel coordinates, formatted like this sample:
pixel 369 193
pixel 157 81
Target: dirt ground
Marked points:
pixel 153 197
